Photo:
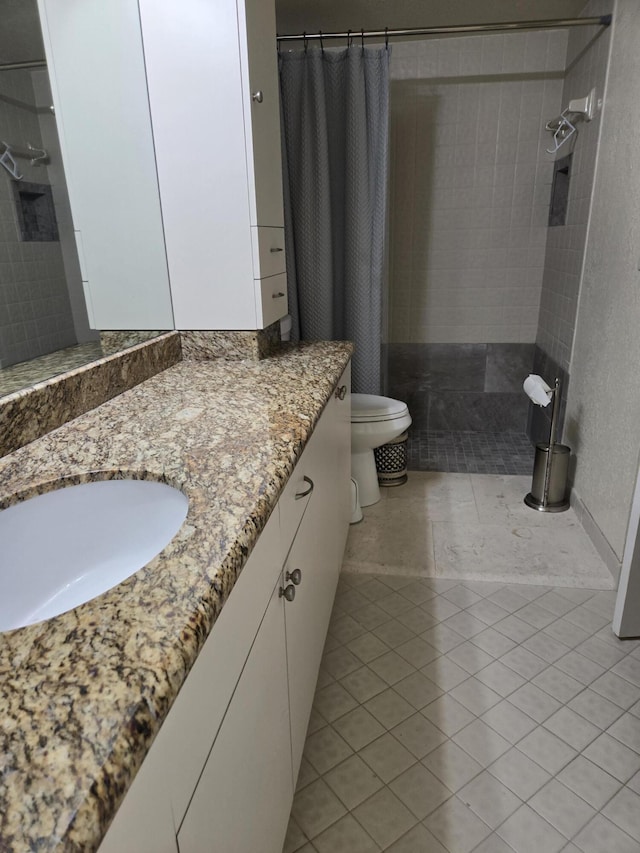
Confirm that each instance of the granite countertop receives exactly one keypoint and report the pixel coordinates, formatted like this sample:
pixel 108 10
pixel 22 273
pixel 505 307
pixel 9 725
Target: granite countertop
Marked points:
pixel 84 694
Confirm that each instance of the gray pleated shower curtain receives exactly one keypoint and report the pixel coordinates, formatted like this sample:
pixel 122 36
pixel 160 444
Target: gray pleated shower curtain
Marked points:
pixel 335 118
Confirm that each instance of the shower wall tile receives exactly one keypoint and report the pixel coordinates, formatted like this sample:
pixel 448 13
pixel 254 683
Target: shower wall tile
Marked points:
pixel 477 412
pixel 470 184
pixel 35 312
pixel 443 367
pixel 462 387
pixel 508 365
pixel 539 418
pixel 586 69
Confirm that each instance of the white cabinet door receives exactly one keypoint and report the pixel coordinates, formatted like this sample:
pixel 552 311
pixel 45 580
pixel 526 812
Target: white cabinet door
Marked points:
pixel 258 52
pixel 317 553
pixel 192 61
pixel 145 821
pixel 187 734
pixel 157 801
pixel 96 68
pixel 307 619
pixel 244 795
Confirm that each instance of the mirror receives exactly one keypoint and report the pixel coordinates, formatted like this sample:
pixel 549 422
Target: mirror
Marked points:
pixel 44 327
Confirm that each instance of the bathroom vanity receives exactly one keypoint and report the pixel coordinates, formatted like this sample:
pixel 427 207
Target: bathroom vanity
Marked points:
pixel 179 700
pixel 222 771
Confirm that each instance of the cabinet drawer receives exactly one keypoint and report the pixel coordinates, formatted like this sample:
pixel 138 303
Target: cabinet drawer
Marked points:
pixel 268 251
pixel 271 296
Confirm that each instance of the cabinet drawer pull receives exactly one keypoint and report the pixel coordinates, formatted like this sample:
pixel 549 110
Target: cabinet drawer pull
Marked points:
pixel 276 249
pixel 308 491
pixel 288 592
pixel 257 96
pixel 277 295
pixel 295 577
pixel 341 392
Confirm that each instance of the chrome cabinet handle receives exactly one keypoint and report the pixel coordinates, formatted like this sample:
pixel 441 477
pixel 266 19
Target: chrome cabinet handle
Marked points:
pixel 277 295
pixel 257 96
pixel 341 392
pixel 288 592
pixel 276 249
pixel 308 491
pixel 295 577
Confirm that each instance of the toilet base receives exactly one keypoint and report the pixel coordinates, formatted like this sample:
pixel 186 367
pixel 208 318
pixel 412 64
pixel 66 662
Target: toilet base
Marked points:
pixel 363 471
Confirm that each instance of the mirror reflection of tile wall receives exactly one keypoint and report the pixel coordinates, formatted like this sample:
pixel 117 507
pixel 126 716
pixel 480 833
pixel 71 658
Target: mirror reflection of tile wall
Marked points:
pixel 35 310
pixel 42 308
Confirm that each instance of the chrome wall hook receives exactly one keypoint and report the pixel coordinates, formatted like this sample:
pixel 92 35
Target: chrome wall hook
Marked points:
pixel 40 155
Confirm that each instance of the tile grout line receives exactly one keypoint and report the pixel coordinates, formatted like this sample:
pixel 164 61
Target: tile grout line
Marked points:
pixel 576 605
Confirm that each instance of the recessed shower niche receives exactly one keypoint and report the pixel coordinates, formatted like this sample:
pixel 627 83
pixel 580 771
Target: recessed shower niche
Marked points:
pixel 560 191
pixel 36 212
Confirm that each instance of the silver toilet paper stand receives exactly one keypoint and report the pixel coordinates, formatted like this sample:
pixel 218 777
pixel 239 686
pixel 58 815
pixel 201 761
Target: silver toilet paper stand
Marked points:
pixel 550 468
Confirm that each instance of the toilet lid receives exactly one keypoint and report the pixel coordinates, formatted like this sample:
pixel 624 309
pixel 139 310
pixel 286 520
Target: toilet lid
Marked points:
pixel 368 407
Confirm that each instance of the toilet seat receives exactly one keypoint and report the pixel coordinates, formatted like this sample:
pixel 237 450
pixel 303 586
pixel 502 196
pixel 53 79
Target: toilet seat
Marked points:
pixel 370 408
pixel 374 421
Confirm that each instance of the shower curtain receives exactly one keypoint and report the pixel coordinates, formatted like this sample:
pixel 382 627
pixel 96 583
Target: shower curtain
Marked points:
pixel 335 128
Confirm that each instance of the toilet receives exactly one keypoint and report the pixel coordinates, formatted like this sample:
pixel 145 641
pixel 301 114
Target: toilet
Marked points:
pixel 374 421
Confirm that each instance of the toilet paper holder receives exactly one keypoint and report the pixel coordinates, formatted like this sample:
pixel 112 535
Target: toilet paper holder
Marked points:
pixel 551 465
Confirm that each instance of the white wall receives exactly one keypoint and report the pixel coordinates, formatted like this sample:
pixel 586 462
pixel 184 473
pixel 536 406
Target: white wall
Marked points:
pixel 603 414
pixel 470 182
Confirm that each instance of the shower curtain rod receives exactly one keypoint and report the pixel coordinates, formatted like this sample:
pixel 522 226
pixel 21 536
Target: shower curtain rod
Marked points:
pixel 600 20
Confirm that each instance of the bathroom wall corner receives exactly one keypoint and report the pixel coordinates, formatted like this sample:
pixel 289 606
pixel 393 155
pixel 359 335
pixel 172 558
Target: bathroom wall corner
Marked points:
pixel 597 537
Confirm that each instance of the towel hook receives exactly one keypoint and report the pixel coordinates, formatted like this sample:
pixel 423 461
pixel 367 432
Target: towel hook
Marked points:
pixel 40 155
pixel 9 163
pixel 562 134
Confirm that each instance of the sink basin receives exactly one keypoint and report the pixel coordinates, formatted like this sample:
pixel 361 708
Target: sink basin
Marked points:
pixel 65 547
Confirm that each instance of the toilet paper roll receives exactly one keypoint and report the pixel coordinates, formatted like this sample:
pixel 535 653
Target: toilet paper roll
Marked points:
pixel 537 389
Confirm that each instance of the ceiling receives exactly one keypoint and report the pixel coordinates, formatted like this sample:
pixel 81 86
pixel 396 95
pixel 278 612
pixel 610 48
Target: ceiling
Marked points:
pixel 295 16
pixel 20 37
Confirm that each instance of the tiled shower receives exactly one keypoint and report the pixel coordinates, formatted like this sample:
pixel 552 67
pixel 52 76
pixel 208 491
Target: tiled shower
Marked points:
pixel 481 290
pixel 35 312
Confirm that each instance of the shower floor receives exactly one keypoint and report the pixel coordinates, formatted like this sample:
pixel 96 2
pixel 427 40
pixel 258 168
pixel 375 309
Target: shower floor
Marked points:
pixel 469 452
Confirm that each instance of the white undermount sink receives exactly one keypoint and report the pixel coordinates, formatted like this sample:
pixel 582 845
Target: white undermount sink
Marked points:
pixel 65 547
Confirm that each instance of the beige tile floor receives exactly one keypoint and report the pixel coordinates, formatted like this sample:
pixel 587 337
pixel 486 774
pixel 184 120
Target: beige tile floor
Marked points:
pixel 464 715
pixel 473 527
